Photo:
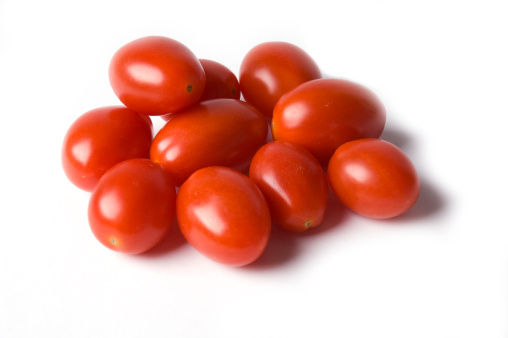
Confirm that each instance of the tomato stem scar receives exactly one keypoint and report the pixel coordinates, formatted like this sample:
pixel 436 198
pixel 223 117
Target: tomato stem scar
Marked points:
pixel 189 88
pixel 113 241
pixel 307 224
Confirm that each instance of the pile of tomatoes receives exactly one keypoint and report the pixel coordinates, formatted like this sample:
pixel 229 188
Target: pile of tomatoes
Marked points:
pixel 211 164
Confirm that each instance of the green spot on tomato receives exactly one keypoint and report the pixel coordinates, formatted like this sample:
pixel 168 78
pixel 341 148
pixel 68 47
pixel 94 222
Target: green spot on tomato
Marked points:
pixel 274 135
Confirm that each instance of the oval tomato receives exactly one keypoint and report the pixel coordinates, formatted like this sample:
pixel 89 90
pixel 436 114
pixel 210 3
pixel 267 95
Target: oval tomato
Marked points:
pixel 271 69
pixel 323 114
pixel 101 138
pixel 222 132
pixel 293 183
pixel 133 206
pixel 223 215
pixel 156 75
pixel 221 83
pixel 373 178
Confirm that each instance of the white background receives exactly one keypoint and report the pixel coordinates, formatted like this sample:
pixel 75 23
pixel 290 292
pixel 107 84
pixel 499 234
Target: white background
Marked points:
pixel 441 270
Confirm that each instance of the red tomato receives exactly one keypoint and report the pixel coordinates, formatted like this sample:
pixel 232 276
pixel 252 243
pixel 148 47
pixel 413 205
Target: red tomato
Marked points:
pixel 101 138
pixel 293 183
pixel 222 132
pixel 223 215
pixel 156 75
pixel 373 178
pixel 220 83
pixel 323 114
pixel 270 70
pixel 133 206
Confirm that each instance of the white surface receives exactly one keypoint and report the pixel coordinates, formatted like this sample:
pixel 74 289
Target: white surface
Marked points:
pixel 441 270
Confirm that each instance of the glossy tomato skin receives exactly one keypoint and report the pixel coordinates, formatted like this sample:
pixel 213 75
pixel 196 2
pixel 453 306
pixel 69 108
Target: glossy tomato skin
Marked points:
pixel 223 215
pixel 132 207
pixel 221 83
pixel 323 114
pixel 373 178
pixel 156 75
pixel 101 138
pixel 271 69
pixel 221 132
pixel 293 183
